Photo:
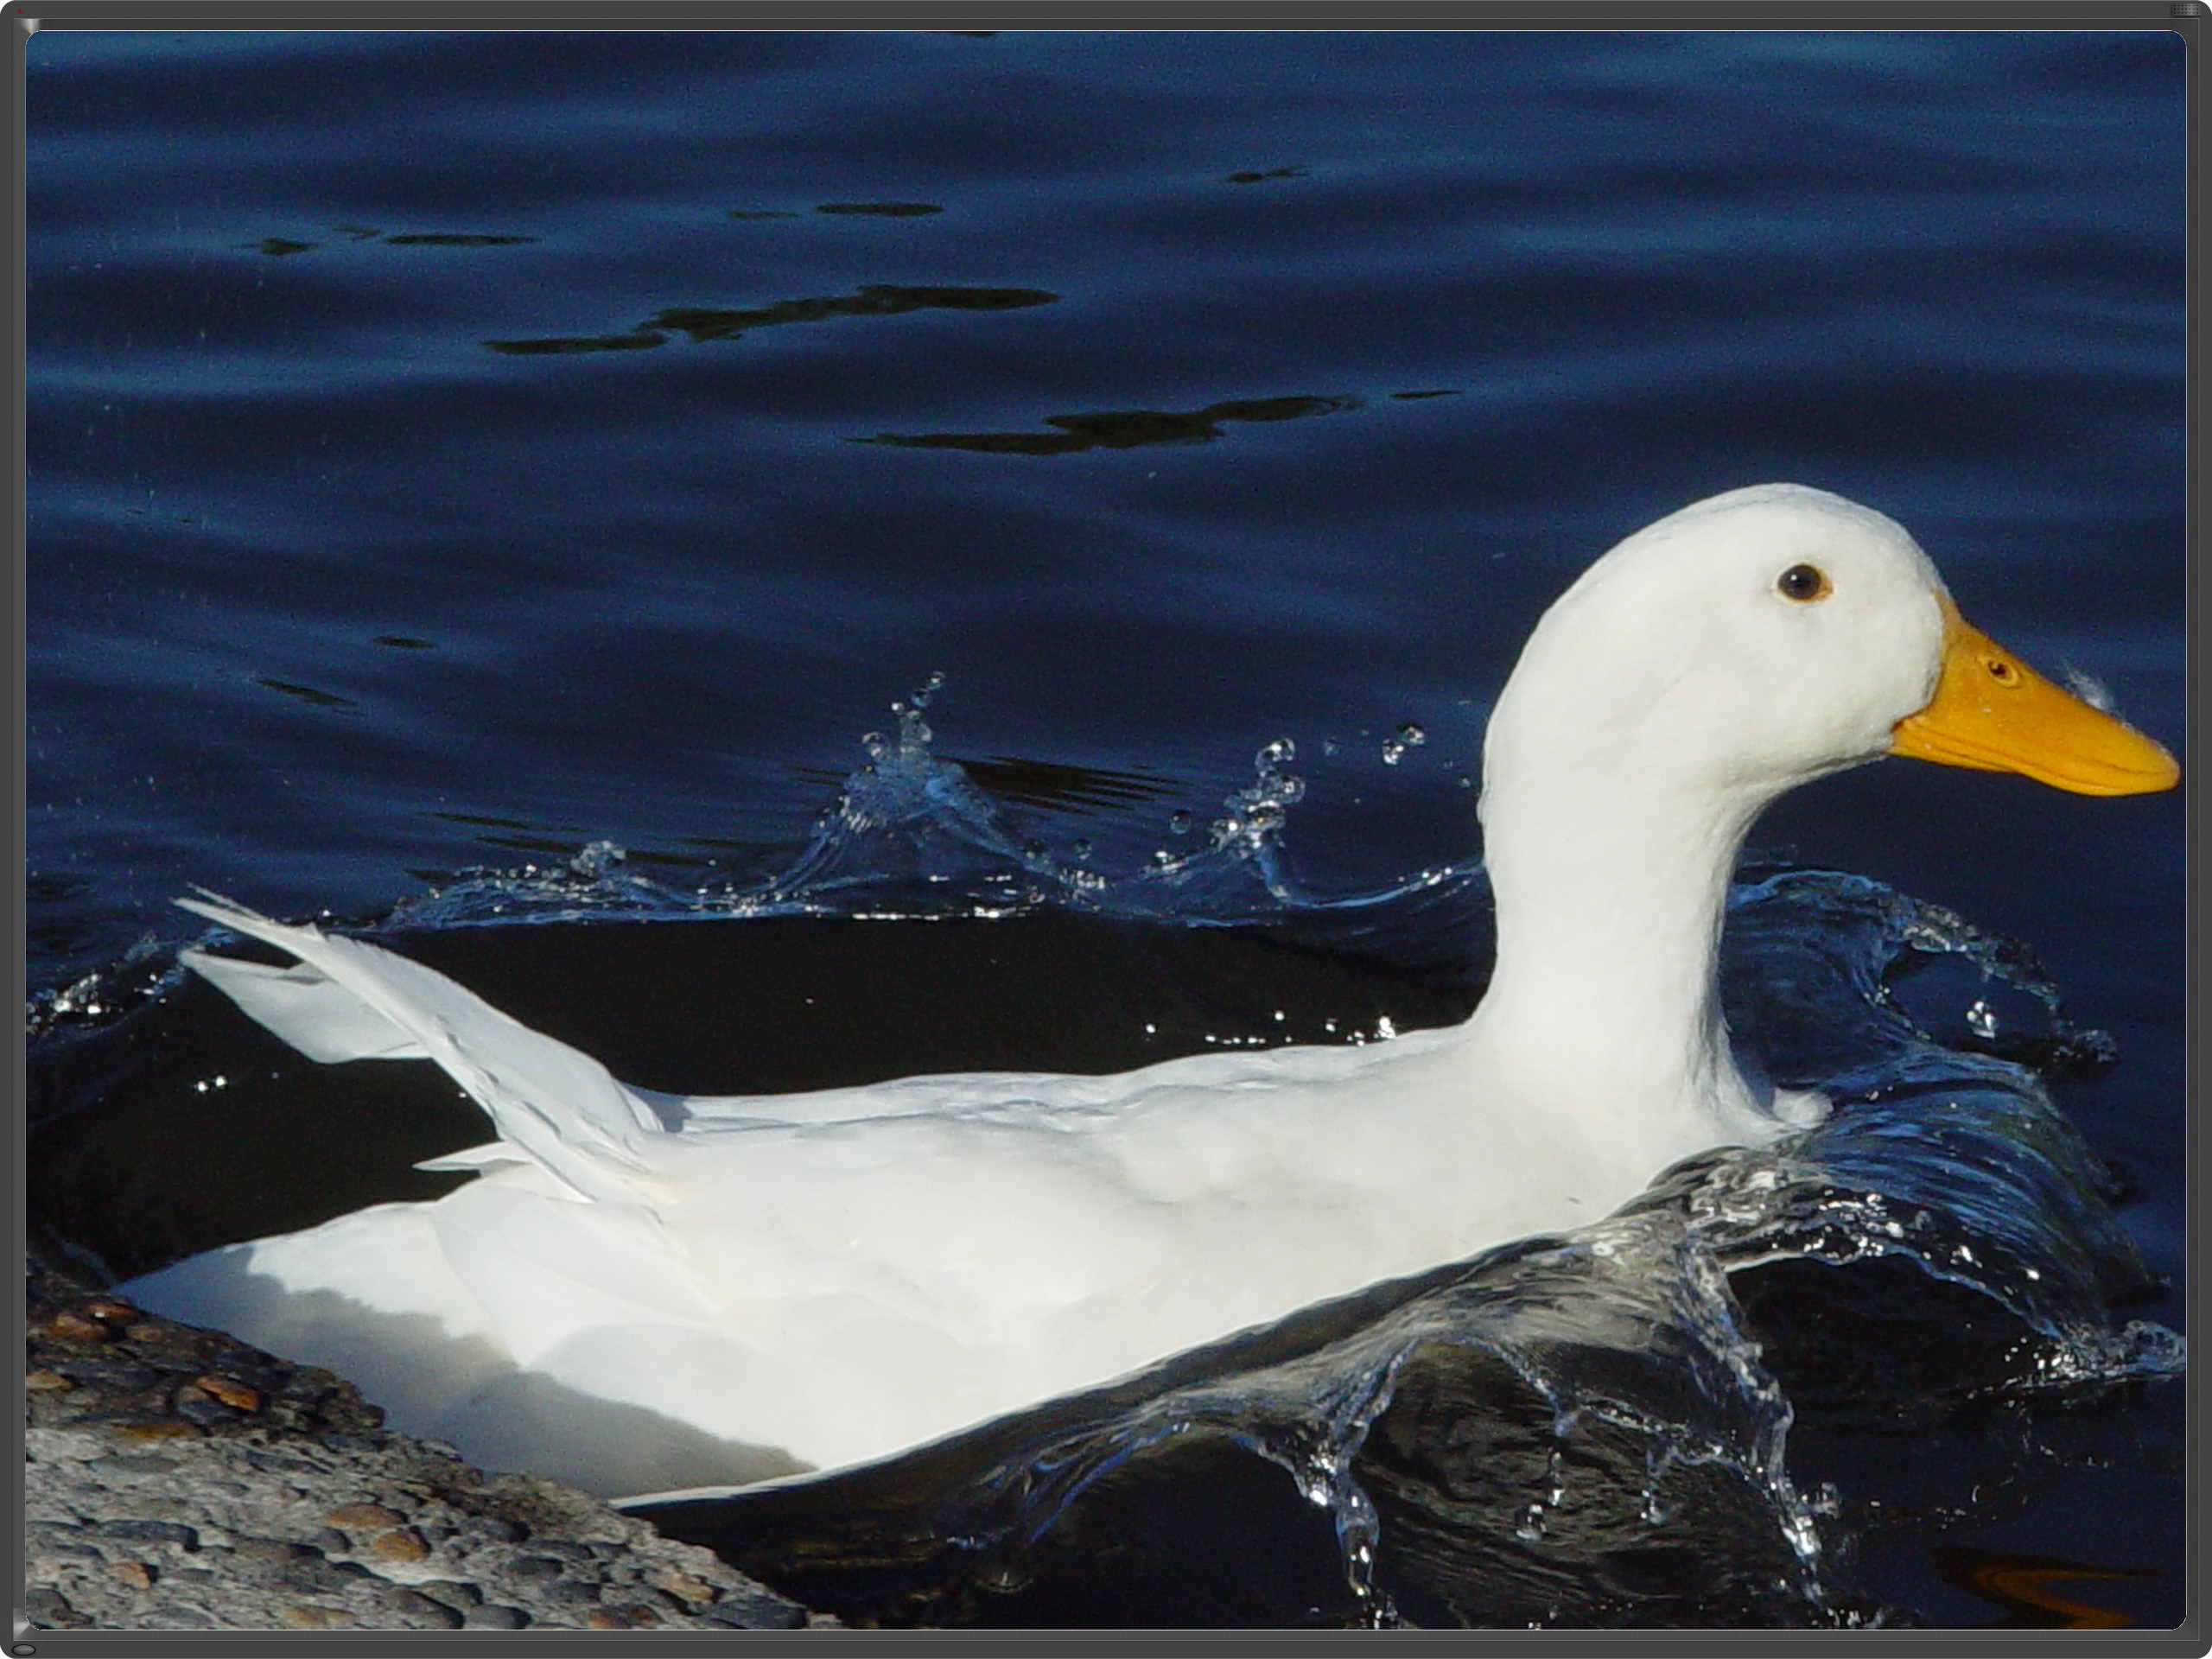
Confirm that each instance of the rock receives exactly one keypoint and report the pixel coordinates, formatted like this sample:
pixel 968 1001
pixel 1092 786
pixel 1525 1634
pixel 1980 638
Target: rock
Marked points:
pixel 156 1431
pixel 176 1478
pixel 685 1588
pixel 49 1609
pixel 452 1592
pixel 150 1532
pixel 363 1517
pixel 400 1544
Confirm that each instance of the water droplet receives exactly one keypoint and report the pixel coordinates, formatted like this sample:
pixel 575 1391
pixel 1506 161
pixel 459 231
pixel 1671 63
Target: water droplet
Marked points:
pixel 597 858
pixel 1981 1019
pixel 1179 824
pixel 913 731
pixel 1408 736
pixel 1081 851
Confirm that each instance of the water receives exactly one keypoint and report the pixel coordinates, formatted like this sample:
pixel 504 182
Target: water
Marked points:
pixel 547 455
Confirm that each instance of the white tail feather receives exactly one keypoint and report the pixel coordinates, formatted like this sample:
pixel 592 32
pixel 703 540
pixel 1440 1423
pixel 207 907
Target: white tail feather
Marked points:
pixel 347 1000
pixel 321 1019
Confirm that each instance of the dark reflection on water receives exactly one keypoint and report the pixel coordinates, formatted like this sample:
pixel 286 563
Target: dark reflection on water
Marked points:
pixel 558 345
pixel 881 209
pixel 307 694
pixel 281 245
pixel 874 300
pixel 705 323
pixel 1121 428
pixel 454 239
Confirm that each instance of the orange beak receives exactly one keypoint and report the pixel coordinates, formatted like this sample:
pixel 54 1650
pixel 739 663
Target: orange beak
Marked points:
pixel 1993 713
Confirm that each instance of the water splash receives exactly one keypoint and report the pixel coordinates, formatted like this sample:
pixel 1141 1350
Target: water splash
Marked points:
pixel 96 999
pixel 910 834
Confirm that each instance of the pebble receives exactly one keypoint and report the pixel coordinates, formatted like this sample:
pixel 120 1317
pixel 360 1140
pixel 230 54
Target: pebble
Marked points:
pixel 402 1544
pixel 357 1517
pixel 151 1532
pixel 178 1479
pixel 157 1430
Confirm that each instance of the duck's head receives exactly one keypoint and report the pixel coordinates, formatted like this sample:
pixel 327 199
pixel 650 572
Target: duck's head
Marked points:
pixel 1752 641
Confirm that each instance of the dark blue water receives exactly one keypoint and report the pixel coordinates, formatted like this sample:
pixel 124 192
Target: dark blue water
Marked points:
pixel 447 452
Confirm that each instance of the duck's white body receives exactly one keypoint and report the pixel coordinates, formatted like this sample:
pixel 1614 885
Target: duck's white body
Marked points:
pixel 641 1292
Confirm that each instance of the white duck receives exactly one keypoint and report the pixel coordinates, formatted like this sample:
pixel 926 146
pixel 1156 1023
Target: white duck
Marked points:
pixel 640 1292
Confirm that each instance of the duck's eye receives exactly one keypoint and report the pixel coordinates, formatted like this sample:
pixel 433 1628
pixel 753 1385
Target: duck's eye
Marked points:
pixel 1802 582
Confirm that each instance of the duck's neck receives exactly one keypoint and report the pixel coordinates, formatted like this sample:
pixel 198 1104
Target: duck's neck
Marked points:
pixel 1610 897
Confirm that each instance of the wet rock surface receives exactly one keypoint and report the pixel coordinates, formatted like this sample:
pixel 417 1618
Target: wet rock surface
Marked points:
pixel 178 1479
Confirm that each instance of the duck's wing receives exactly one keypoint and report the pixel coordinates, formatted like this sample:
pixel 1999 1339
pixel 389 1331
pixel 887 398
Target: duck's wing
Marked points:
pixel 346 1000
pixel 1044 1100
